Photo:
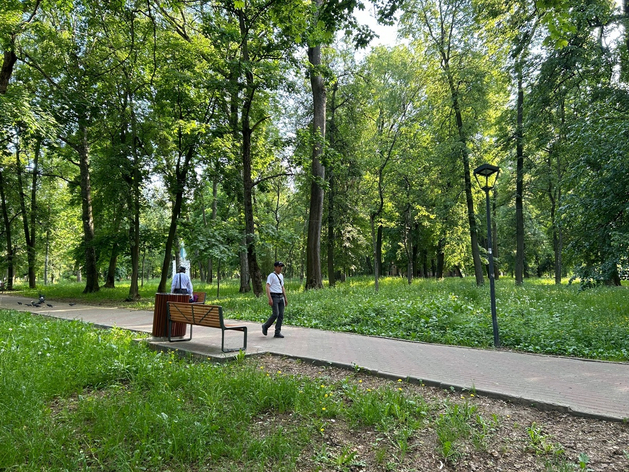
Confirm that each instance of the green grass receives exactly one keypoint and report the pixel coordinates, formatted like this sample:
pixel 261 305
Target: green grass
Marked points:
pixel 538 317
pixel 74 397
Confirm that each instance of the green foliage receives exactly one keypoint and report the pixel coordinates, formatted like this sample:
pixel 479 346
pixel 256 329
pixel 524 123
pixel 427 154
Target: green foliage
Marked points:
pixel 143 89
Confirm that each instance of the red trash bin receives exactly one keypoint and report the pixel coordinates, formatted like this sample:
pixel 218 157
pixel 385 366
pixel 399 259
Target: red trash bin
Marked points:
pixel 160 315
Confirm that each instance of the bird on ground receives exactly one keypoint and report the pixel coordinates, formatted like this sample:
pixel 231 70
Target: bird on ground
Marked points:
pixel 27 304
pixel 72 304
pixel 36 305
pixel 49 305
pixel 19 303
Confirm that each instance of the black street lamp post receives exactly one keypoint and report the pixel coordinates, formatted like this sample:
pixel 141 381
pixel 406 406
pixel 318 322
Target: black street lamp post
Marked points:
pixel 490 174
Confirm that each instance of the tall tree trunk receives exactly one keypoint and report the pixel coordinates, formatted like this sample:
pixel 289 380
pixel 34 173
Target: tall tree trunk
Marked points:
pixel 478 267
pixel 110 281
pixel 331 194
pixel 373 217
pixel 134 236
pixel 245 286
pixel 424 263
pixel 519 185
pixel 494 235
pixel 91 267
pixel 374 242
pixel 181 174
pixel 624 58
pixel 7 233
pixel 143 266
pixel 234 103
pixel 247 131
pixel 331 228
pixel 464 154
pixel 47 257
pixel 554 195
pixel 415 254
pixel 32 250
pixel 252 259
pixel 6 71
pixel 8 62
pixel 134 207
pixel 440 258
pixel 313 255
pixel 29 229
pixel 557 229
pixel 210 269
pixel 409 246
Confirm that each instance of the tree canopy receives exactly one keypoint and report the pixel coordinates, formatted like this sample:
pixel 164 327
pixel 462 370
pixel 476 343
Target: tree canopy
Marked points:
pixel 249 132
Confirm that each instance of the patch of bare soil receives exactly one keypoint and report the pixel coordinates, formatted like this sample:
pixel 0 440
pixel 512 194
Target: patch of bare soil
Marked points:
pixel 520 438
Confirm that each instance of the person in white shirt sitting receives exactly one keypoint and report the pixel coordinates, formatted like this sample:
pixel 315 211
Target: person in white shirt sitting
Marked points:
pixel 181 282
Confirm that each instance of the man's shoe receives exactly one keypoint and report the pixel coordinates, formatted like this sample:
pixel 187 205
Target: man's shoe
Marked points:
pixel 264 330
pixel 278 335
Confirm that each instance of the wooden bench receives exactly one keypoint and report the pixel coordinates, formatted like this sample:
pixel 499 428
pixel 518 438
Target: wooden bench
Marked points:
pixel 199 314
pixel 199 297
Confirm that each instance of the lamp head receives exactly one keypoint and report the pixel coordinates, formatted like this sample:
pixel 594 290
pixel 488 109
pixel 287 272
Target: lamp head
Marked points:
pixel 490 175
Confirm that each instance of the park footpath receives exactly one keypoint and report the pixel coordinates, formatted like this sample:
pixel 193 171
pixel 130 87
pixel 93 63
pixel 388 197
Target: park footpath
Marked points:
pixel 580 387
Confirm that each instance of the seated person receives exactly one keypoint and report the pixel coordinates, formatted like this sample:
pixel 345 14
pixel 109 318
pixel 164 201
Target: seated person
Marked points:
pixel 181 282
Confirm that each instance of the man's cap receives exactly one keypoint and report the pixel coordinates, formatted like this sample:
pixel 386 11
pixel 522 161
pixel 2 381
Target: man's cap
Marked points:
pixel 278 263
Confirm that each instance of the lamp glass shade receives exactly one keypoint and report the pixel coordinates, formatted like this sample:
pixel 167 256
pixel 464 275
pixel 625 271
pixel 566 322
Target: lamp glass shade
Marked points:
pixel 490 174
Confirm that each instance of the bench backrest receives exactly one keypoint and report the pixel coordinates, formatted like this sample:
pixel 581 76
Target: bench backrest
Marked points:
pixel 200 297
pixel 196 313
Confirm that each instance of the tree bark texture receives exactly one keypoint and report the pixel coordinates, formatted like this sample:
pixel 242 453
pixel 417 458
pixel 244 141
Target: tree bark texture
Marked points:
pixel 110 281
pixel 134 206
pixel 245 122
pixel 7 233
pixel 519 187
pixel 91 268
pixel 28 219
pixel 6 72
pixel 376 268
pixel 441 257
pixel 494 235
pixel 181 175
pixel 464 154
pixel 313 251
pixel 478 266
pixel 331 196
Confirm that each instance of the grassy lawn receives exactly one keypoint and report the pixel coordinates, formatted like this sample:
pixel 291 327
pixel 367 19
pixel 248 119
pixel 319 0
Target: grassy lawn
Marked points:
pixel 538 317
pixel 74 397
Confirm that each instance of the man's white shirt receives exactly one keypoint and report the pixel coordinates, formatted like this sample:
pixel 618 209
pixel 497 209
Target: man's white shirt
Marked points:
pixel 273 281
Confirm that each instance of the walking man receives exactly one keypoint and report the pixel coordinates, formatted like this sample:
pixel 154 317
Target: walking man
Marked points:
pixel 277 299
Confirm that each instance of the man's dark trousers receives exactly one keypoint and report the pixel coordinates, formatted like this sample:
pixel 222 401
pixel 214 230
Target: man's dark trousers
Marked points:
pixel 278 312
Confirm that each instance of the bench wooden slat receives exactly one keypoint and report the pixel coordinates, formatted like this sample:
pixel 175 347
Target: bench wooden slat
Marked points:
pixel 199 297
pixel 200 314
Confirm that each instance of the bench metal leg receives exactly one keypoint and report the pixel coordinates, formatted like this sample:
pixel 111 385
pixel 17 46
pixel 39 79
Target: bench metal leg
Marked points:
pixel 170 324
pixel 239 328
